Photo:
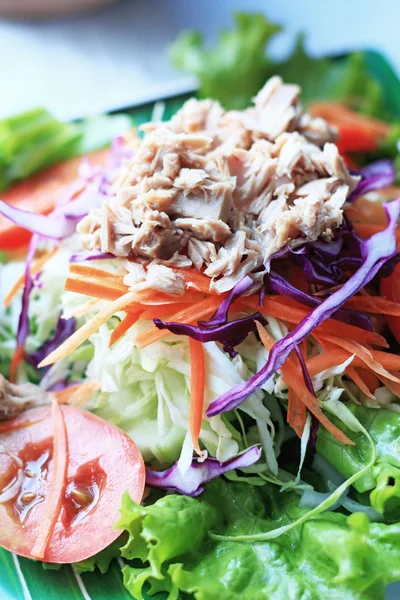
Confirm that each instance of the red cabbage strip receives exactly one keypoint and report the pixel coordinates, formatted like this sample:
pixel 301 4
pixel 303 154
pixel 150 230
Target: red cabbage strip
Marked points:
pixel 374 177
pixel 23 322
pixel 376 250
pixel 64 329
pixel 304 370
pixel 48 226
pixel 84 256
pixel 221 315
pixel 199 473
pixel 353 317
pixel 224 333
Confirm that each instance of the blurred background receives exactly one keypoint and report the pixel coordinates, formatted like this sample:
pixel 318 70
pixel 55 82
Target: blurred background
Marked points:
pixel 82 57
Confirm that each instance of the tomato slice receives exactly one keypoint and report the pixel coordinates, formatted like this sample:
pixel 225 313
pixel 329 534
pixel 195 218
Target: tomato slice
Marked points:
pixel 102 463
pixel 39 194
pixel 390 289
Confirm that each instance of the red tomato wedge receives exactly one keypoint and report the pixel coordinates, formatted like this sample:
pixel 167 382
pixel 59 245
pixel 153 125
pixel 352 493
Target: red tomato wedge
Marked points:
pixel 39 194
pixel 62 476
pixel 390 289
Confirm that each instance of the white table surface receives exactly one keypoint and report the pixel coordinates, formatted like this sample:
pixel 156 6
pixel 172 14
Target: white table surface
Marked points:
pixel 116 57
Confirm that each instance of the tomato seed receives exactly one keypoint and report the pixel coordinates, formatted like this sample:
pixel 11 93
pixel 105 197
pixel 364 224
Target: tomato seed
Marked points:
pixel 28 497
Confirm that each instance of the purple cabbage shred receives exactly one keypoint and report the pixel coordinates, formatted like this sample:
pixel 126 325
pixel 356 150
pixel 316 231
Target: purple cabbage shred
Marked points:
pixel 199 473
pixel 374 177
pixel 375 251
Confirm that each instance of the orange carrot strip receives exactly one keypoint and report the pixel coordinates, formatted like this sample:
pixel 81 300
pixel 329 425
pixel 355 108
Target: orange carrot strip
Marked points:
pixel 391 362
pixel 197 382
pixel 369 378
pixel 196 280
pixel 362 353
pixel 189 315
pixel 36 267
pixel 18 357
pixel 391 385
pixel 352 373
pixel 275 308
pixel 326 360
pixel 90 327
pixel 158 312
pixel 88 271
pixel 76 394
pixel 154 298
pixel 294 379
pixel 54 499
pixel 335 356
pixel 297 411
pixel 92 288
pixel 122 327
pixel 374 304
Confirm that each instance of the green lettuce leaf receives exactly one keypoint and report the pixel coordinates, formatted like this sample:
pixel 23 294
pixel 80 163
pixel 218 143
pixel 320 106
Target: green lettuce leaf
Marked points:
pixel 100 561
pixel 383 480
pixel 236 67
pixel 331 556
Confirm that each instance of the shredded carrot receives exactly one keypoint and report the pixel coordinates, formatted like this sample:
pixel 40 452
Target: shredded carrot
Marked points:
pixel 363 353
pixel 76 394
pixel 36 267
pixel 194 279
pixel 369 378
pixel 274 306
pixel 92 272
pixel 110 289
pixel 54 498
pixel 391 362
pixel 155 298
pixel 374 304
pixel 354 375
pixel 293 378
pixel 127 322
pixel 18 357
pixel 197 383
pixel 391 385
pixel 297 411
pixel 159 312
pixel 326 360
pixel 82 334
pixel 189 315
pixel 104 291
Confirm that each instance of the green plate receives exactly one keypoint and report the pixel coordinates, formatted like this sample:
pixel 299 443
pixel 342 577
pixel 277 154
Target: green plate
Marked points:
pixel 23 579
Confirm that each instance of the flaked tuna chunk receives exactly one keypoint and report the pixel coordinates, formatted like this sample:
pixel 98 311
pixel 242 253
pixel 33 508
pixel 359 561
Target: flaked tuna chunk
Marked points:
pixel 276 109
pixel 205 229
pixel 316 130
pixel 200 252
pixel 14 399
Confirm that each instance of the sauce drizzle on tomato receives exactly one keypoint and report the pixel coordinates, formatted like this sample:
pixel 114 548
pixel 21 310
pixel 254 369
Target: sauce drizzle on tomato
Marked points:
pixel 35 460
pixel 83 492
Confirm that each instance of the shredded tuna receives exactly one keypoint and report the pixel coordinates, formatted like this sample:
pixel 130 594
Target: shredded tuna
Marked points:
pixel 222 190
pixel 14 399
